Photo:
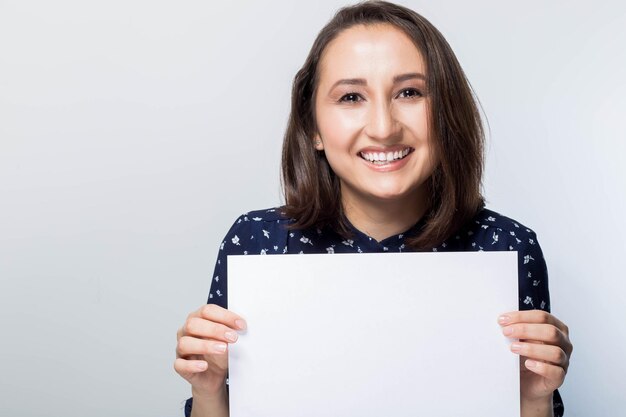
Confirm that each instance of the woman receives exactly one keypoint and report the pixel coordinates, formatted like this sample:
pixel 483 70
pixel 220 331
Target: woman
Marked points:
pixel 383 152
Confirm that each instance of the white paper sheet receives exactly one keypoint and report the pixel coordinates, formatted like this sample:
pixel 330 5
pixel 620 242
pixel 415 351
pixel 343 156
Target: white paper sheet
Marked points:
pixel 406 334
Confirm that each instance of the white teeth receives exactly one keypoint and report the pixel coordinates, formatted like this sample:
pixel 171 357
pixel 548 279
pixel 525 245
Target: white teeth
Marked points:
pixel 380 158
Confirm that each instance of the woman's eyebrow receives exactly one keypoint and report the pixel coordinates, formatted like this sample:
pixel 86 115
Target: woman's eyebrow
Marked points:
pixel 396 79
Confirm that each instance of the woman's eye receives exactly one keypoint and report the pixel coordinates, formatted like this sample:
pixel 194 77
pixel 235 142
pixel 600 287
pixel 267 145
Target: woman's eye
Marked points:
pixel 350 98
pixel 411 92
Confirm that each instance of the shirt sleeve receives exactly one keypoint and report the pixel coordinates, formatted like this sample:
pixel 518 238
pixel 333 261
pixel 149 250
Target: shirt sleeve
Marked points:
pixel 240 240
pixel 534 292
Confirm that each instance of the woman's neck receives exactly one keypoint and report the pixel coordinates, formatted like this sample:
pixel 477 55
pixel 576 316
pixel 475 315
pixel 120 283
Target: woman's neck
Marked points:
pixel 381 219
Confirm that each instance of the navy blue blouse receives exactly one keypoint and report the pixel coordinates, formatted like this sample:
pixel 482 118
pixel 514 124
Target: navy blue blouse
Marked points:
pixel 265 232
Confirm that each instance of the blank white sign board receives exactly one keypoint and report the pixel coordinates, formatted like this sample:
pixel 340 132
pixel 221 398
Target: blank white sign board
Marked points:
pixel 392 334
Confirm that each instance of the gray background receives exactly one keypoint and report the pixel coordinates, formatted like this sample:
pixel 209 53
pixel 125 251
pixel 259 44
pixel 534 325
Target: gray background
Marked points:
pixel 132 133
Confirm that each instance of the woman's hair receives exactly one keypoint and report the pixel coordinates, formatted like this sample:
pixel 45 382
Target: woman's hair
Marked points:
pixel 312 190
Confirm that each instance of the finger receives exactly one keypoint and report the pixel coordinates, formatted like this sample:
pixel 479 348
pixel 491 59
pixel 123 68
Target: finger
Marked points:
pixel 221 315
pixel 196 326
pixel 546 333
pixel 189 366
pixel 555 375
pixel 545 353
pixel 532 316
pixel 192 346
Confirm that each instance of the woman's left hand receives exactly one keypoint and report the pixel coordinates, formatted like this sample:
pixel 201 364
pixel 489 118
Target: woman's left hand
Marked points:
pixel 544 348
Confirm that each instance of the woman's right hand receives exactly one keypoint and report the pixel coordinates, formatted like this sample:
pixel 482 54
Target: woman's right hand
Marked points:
pixel 201 350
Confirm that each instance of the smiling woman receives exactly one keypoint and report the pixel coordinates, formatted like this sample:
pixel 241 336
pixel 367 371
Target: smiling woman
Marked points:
pixel 389 76
pixel 383 153
pixel 373 125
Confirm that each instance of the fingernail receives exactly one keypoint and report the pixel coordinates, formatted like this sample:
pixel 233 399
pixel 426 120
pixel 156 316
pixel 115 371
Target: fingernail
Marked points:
pixel 231 336
pixel 507 331
pixel 220 347
pixel 201 365
pixel 530 364
pixel 240 324
pixel 504 319
pixel 516 347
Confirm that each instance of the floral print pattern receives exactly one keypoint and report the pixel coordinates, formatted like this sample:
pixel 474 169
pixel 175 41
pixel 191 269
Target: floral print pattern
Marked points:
pixel 265 232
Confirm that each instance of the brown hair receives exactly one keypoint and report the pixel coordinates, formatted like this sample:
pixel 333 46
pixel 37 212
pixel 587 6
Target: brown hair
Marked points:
pixel 311 188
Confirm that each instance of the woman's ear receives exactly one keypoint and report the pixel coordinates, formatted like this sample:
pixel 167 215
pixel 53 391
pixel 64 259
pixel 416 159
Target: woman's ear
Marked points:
pixel 317 142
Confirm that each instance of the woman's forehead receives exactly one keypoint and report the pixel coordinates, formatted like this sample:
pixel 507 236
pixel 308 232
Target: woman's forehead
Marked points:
pixel 380 49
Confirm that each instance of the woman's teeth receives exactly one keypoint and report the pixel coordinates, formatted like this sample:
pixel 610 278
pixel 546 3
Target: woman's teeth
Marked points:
pixel 384 157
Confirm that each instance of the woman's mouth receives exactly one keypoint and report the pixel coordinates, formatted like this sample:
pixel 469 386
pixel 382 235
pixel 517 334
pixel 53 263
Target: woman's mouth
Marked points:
pixel 382 158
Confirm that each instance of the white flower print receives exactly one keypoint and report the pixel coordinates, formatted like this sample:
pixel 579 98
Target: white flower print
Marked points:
pixel 528 300
pixel 222 246
pixel 275 248
pixel 266 234
pixel 219 293
pixel 542 305
pixel 263 251
pixel 495 238
pixel 330 249
pixel 491 219
pixel 348 242
pixel 305 239
pixel 257 219
pixel 527 259
pixel 532 242
pixel 236 240
pixel 217 278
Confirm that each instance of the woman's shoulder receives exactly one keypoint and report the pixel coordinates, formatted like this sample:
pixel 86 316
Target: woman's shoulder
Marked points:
pixel 268 215
pixel 490 230
pixel 490 220
pixel 254 229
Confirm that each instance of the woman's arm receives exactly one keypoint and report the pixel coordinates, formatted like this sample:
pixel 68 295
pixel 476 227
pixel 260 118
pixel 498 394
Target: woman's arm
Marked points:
pixel 210 405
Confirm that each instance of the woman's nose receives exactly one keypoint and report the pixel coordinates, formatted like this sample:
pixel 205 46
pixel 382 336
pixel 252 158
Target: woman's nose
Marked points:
pixel 381 124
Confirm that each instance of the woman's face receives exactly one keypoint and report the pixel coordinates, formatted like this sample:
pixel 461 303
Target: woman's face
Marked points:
pixel 371 110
